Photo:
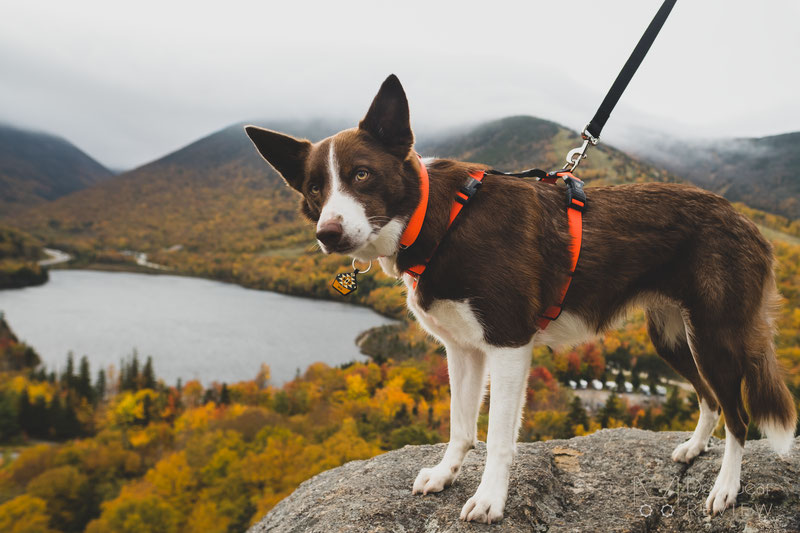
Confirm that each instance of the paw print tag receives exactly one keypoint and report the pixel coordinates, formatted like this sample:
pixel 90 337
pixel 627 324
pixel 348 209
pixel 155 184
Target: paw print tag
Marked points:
pixel 345 283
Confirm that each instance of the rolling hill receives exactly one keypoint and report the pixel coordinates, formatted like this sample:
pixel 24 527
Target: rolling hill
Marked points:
pixel 217 193
pixel 520 142
pixel 36 167
pixel 762 172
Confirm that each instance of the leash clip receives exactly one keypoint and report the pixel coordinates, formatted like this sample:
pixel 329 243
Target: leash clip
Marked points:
pixel 575 155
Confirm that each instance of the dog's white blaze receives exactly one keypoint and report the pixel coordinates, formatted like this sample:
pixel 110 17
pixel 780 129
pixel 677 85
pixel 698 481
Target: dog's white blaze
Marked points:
pixel 726 487
pixel 342 207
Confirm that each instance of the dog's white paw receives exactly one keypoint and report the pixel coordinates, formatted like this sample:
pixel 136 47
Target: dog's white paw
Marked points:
pixel 722 496
pixel 433 479
pixel 485 506
pixel 686 452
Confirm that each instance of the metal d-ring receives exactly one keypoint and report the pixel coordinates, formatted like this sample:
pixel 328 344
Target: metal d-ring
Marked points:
pixel 362 271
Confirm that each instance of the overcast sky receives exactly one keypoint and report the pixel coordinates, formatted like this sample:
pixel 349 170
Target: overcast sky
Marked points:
pixel 130 82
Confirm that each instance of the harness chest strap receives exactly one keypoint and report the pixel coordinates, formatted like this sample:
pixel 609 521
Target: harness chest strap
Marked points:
pixel 463 196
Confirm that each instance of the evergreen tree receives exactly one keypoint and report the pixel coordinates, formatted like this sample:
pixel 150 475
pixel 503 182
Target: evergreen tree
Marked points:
pixel 620 380
pixel 24 411
pixel 647 421
pixel 224 395
pixel 636 380
pixel 612 409
pixel 148 375
pixel 577 414
pixel 209 396
pixel 100 386
pixel 674 408
pixel 9 418
pixel 38 420
pixel 133 371
pixel 55 420
pixel 68 377
pixel 147 410
pixel 84 381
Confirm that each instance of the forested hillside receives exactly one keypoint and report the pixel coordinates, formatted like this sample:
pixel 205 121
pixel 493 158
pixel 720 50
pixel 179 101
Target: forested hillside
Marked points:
pixel 761 172
pixel 36 167
pixel 19 253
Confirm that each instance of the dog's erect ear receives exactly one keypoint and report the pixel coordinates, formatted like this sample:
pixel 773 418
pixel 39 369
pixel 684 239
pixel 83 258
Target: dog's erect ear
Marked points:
pixel 387 119
pixel 286 154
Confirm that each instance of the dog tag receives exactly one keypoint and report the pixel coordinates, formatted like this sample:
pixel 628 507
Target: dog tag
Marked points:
pixel 345 282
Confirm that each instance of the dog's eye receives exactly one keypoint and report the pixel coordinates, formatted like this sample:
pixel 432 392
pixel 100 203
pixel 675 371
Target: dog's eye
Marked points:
pixel 361 174
pixel 314 190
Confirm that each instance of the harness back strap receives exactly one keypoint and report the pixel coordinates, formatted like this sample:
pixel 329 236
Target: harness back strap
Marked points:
pixel 576 203
pixel 463 196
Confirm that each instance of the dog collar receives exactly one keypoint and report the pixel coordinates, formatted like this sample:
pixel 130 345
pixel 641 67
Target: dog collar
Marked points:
pixel 415 223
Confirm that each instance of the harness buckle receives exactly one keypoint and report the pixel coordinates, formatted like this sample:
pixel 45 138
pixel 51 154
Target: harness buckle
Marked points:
pixel 468 190
pixel 576 197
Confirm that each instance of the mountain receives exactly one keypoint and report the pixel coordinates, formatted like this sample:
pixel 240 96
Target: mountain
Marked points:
pixel 517 143
pixel 214 193
pixel 218 192
pixel 762 172
pixel 35 167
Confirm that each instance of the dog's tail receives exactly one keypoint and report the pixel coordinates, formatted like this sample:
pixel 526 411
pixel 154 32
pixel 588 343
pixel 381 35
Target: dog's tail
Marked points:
pixel 771 404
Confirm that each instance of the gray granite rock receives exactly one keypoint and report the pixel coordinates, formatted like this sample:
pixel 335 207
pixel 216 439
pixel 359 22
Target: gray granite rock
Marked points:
pixel 611 481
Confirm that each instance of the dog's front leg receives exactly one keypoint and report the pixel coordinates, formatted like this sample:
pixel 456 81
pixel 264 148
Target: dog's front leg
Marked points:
pixel 508 373
pixel 467 370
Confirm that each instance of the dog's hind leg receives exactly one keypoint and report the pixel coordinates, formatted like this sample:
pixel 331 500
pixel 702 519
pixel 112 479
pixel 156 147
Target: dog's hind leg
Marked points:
pixel 467 370
pixel 508 371
pixel 745 352
pixel 668 332
pixel 720 352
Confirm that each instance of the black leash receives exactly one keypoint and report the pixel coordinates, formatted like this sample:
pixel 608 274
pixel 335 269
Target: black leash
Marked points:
pixel 591 133
pixel 593 129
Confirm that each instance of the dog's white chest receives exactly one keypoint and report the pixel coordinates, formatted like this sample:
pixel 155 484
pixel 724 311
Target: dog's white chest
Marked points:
pixel 451 322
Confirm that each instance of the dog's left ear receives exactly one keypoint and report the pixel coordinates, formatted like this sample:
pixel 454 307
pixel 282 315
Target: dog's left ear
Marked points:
pixel 387 119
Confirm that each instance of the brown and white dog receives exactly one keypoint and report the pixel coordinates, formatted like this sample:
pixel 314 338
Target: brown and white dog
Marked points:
pixel 702 271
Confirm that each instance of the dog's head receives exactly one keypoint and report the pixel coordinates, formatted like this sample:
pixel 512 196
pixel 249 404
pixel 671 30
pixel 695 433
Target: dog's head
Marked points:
pixel 361 185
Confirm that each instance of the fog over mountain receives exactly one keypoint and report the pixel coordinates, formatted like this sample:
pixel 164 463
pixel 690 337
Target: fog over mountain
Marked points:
pixel 129 85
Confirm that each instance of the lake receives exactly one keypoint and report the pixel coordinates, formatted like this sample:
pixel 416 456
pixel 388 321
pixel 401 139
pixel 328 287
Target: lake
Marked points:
pixel 194 328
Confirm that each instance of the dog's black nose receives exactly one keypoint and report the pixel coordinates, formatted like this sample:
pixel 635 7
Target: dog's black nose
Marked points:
pixel 330 233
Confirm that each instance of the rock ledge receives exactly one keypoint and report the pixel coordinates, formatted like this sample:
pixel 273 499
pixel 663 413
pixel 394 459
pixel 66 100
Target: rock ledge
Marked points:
pixel 611 481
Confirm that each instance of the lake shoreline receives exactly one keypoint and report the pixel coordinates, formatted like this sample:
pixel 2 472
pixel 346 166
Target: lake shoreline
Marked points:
pixel 138 269
pixel 187 306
